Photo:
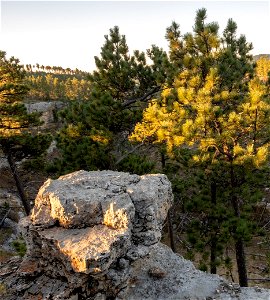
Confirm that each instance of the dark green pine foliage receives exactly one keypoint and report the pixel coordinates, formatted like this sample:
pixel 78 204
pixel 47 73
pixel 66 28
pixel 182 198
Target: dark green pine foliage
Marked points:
pixel 214 226
pixel 121 85
pixel 114 69
pixel 137 164
pixel 129 77
pixel 177 50
pixel 18 135
pixel 235 63
pixel 85 139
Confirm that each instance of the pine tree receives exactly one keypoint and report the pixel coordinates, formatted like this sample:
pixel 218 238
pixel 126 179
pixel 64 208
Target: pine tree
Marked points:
pixel 120 86
pixel 263 68
pixel 223 119
pixel 235 63
pixel 125 77
pixel 18 138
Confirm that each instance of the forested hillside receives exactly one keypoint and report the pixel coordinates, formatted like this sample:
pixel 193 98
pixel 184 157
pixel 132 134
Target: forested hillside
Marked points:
pixel 258 56
pixel 199 114
pixel 55 83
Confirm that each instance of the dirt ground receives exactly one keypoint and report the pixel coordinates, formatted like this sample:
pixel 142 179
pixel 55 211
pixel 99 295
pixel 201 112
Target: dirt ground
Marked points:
pixel 257 258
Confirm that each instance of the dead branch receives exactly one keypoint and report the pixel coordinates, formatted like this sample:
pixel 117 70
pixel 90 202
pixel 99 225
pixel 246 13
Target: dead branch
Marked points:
pixel 127 154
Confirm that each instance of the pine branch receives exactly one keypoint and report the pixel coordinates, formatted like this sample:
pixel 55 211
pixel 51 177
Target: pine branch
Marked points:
pixel 145 97
pixel 127 154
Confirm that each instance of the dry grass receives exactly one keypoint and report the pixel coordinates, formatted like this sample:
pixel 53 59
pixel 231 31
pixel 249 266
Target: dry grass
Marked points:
pixel 3 289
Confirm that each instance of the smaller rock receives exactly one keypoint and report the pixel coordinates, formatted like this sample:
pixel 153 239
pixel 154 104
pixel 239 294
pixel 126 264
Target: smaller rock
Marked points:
pixel 123 263
pixel 100 296
pixel 157 272
pixel 29 268
pixel 136 252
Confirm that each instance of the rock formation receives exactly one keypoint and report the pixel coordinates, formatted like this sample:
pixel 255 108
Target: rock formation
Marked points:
pixel 95 235
pixel 88 226
pixel 47 110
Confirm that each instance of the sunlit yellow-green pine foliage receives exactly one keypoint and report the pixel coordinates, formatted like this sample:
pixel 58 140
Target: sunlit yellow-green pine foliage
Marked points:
pixel 263 68
pixel 206 119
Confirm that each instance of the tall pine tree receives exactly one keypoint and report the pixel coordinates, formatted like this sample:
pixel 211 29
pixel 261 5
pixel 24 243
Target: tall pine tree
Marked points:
pixel 221 118
pixel 121 85
pixel 18 136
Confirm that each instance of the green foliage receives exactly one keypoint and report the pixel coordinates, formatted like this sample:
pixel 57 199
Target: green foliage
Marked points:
pixel 20 247
pixel 263 68
pixel 235 63
pixel 136 164
pixel 203 267
pixel 36 164
pixel 122 75
pixel 85 139
pixel 57 84
pixel 220 113
pixel 12 87
pixel 119 87
pixel 17 133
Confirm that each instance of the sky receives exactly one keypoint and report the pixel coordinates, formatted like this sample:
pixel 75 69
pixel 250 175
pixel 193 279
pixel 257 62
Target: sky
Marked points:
pixel 71 33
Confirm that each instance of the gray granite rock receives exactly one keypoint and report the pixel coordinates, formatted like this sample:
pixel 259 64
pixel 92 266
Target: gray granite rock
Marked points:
pixel 152 198
pixel 95 235
pixel 47 110
pixel 83 198
pixel 88 225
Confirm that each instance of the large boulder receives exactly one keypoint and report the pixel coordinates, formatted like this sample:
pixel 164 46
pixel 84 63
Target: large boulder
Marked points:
pixel 95 235
pixel 85 224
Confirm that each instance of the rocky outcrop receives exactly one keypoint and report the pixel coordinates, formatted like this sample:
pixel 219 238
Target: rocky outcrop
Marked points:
pixel 95 235
pixel 47 109
pixel 89 227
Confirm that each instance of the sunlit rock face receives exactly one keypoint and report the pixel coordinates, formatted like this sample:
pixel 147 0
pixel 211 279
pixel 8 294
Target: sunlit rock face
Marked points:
pixel 93 224
pixel 83 199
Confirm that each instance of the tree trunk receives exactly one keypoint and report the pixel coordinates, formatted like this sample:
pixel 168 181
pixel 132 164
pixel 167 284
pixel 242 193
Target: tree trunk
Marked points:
pixel 163 161
pixel 19 186
pixel 241 262
pixel 170 230
pixel 213 256
pixel 239 244
pixel 169 216
pixel 213 247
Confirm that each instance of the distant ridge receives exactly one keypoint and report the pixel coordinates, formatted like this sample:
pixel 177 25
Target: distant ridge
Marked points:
pixel 258 56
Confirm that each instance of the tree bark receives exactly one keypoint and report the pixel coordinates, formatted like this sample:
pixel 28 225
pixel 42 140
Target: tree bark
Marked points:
pixel 19 185
pixel 213 247
pixel 241 262
pixel 169 216
pixel 170 230
pixel 239 244
pixel 163 161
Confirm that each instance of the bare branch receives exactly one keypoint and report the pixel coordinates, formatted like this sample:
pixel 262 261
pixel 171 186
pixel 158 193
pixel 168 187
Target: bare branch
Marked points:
pixel 127 154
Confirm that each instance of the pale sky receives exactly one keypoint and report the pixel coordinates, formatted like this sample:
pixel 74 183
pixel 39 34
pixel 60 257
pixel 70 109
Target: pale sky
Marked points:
pixel 71 33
